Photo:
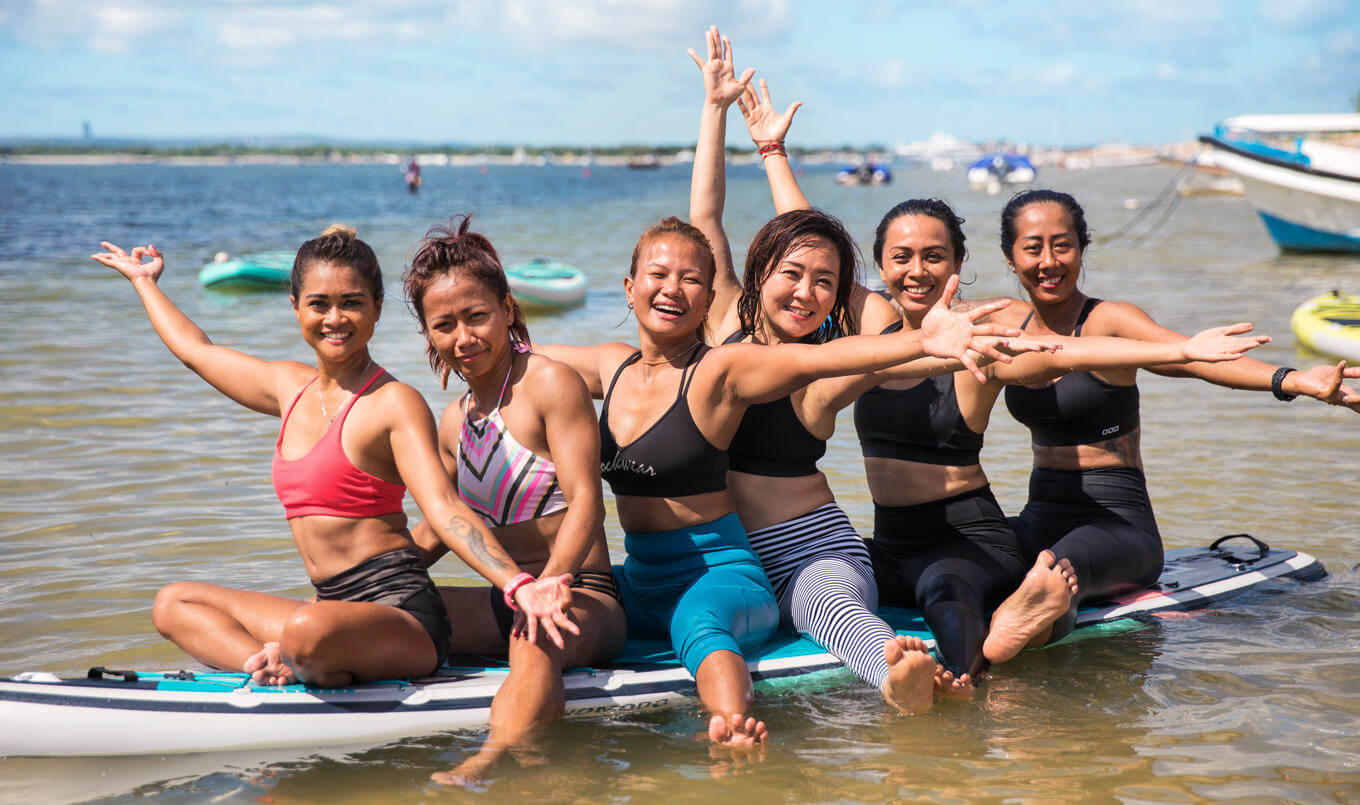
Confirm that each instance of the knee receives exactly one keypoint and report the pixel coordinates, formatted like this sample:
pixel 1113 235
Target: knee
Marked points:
pixel 302 636
pixel 169 600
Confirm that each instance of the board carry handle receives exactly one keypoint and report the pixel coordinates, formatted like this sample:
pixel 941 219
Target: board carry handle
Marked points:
pixel 99 672
pixel 1260 546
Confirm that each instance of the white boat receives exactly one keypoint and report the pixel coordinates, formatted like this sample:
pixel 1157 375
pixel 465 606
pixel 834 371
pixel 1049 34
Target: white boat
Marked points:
pixel 1305 186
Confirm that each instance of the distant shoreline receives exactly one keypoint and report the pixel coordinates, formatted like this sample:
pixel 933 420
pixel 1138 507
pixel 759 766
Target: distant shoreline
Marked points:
pixel 1106 155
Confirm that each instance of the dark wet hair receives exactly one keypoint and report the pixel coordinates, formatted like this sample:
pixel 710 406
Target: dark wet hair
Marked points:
pixel 779 237
pixel 340 245
pixel 674 226
pixel 1025 198
pixel 930 207
pixel 454 251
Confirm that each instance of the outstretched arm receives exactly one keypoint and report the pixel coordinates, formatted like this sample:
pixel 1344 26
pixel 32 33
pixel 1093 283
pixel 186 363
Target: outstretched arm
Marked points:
pixel 759 373
pixel 1093 353
pixel 768 129
pixel 592 363
pixel 1325 382
pixel 412 430
pixel 248 380
pixel 708 182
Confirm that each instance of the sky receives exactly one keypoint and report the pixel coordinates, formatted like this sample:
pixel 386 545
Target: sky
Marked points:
pixel 612 72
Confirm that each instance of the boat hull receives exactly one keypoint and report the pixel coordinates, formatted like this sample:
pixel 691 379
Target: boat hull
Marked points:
pixel 1304 209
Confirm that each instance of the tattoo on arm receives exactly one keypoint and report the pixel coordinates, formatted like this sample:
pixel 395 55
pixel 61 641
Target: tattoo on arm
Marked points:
pixel 465 530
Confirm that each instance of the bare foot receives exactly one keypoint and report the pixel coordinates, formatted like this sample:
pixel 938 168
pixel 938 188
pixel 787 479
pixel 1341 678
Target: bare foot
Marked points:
pixel 910 686
pixel 737 731
pixel 1025 619
pixel 946 684
pixel 267 667
pixel 469 773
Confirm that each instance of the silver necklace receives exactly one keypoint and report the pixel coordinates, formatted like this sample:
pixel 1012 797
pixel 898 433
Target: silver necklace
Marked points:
pixel 331 417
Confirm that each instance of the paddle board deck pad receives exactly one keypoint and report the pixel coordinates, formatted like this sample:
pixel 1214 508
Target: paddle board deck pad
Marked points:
pixel 1329 324
pixel 249 272
pixel 112 712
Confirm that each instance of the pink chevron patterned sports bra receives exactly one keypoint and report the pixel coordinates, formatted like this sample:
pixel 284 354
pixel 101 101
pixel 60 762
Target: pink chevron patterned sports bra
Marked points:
pixel 499 478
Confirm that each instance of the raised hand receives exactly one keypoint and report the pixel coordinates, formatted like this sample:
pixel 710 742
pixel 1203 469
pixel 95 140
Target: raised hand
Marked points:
pixel 1222 343
pixel 766 126
pixel 544 604
pixel 949 333
pixel 721 85
pixel 131 265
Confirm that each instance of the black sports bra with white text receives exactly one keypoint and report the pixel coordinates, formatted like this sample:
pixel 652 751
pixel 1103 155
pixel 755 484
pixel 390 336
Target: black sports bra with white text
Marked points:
pixel 670 459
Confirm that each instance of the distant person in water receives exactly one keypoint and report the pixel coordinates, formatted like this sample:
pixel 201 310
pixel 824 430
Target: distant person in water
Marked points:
pixel 522 446
pixel 353 439
pixel 411 173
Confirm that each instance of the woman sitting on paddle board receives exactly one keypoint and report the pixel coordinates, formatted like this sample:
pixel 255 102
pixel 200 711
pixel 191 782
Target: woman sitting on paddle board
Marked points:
pixel 1088 499
pixel 941 542
pixel 670 411
pixel 522 447
pixel 800 286
pixel 352 440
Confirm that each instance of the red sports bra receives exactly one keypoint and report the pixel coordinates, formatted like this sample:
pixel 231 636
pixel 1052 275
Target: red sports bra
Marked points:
pixel 324 481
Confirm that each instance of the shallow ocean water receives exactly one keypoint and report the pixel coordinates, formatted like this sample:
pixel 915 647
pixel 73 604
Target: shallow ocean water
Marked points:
pixel 121 471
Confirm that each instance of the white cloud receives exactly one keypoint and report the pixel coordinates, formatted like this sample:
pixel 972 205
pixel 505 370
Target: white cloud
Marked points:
pixel 890 74
pixel 639 24
pixel 1301 15
pixel 1165 70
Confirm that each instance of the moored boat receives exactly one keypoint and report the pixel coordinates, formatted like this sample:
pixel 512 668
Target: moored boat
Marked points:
pixel 546 284
pixel 1305 187
pixel 996 169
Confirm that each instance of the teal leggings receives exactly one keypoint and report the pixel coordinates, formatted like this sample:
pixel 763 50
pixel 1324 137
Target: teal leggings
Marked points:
pixel 702 587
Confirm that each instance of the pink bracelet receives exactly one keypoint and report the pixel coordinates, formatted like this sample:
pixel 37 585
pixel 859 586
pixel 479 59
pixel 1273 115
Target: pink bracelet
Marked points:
pixel 513 585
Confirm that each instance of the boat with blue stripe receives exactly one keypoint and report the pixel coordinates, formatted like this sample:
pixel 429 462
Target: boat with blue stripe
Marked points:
pixel 1300 172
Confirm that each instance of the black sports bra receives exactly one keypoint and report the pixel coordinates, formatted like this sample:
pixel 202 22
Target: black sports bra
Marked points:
pixel 670 459
pixel 922 424
pixel 772 441
pixel 1078 408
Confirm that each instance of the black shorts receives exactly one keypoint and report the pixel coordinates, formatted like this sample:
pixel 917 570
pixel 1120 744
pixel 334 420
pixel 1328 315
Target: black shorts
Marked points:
pixel 585 580
pixel 395 579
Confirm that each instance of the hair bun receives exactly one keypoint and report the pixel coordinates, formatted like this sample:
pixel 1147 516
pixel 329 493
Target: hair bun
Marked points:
pixel 343 230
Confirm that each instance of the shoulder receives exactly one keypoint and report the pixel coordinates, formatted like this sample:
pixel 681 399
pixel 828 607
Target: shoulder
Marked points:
pixel 397 398
pixel 872 310
pixel 1115 318
pixel 1012 314
pixel 551 382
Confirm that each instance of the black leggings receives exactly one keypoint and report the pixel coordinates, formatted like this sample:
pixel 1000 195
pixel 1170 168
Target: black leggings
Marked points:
pixel 956 559
pixel 1101 521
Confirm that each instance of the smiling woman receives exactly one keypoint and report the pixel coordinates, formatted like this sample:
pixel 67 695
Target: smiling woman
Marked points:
pixel 351 442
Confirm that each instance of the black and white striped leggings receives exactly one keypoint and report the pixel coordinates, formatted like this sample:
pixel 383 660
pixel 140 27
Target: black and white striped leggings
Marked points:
pixel 824 581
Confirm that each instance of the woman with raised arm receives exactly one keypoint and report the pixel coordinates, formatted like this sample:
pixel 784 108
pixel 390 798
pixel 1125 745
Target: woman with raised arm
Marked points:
pixel 941 542
pixel 351 442
pixel 1088 499
pixel 671 408
pixel 522 447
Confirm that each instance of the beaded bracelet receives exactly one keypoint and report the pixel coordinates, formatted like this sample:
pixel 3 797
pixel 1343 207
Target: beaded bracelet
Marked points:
pixel 512 586
pixel 773 148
